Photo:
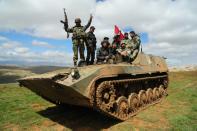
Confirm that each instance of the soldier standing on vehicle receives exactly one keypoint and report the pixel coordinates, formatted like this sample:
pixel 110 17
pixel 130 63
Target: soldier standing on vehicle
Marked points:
pixel 78 37
pixel 135 44
pixel 91 46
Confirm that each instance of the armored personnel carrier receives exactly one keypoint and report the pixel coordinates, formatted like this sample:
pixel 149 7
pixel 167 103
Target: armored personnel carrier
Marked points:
pixel 117 90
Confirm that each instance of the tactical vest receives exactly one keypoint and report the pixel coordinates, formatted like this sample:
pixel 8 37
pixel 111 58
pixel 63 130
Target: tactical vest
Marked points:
pixel 78 33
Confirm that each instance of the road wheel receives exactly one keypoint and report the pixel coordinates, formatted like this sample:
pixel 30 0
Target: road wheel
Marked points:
pixel 142 97
pixel 133 102
pixel 161 90
pixel 156 93
pixel 150 96
pixel 105 96
pixel 122 108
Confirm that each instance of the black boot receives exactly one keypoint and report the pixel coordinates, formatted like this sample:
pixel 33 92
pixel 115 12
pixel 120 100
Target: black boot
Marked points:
pixel 75 63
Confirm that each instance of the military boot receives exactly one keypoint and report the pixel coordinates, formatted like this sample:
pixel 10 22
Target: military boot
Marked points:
pixel 75 63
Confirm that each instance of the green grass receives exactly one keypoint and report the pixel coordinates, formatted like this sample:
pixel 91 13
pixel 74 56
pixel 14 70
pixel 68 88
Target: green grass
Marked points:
pixel 20 109
pixel 16 107
pixel 184 101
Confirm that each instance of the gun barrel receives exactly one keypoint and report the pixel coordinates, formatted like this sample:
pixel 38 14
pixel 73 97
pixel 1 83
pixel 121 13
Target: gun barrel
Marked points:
pixel 64 11
pixel 62 21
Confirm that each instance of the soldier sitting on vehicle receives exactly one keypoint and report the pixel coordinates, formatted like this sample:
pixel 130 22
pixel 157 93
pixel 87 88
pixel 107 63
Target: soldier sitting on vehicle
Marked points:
pixel 106 39
pixel 123 53
pixel 103 53
pixel 135 44
pixel 126 39
pixel 125 48
pixel 115 45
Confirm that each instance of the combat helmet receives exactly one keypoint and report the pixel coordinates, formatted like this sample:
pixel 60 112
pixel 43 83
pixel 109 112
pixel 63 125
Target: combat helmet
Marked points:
pixel 77 20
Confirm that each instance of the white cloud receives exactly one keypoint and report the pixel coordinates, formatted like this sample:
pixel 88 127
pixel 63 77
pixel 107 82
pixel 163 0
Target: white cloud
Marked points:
pixel 21 50
pixel 177 55
pixel 41 44
pixel 171 25
pixel 10 44
pixel 41 18
pixel 3 38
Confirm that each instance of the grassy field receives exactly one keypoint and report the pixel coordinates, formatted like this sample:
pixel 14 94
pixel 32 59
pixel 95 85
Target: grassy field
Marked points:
pixel 20 109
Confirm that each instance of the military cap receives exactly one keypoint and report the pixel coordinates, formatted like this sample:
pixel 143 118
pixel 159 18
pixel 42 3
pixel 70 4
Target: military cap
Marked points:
pixel 106 38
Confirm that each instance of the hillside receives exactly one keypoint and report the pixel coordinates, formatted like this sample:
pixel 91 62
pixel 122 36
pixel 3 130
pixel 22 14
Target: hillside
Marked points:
pixel 9 74
pixel 183 68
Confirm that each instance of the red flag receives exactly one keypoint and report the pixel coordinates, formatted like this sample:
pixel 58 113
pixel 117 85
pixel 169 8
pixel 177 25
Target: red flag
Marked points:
pixel 117 31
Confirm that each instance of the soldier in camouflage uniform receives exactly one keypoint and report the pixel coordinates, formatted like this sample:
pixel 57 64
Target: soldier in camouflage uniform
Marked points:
pixel 91 46
pixel 125 48
pixel 126 39
pixel 135 44
pixel 78 38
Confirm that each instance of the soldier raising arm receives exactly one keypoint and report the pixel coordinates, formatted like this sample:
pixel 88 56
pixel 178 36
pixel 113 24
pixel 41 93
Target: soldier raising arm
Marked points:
pixel 78 38
pixel 89 23
pixel 78 23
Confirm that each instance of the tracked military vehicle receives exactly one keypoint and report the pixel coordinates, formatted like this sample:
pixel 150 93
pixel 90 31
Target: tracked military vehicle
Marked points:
pixel 117 90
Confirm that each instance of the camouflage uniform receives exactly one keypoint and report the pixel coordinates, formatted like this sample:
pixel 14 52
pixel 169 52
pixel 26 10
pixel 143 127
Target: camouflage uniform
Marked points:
pixel 125 49
pixel 91 47
pixel 135 46
pixel 127 46
pixel 78 39
pixel 126 41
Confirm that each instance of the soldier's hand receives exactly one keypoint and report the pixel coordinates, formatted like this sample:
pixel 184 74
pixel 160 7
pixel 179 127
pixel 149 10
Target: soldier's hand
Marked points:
pixel 91 16
pixel 124 53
